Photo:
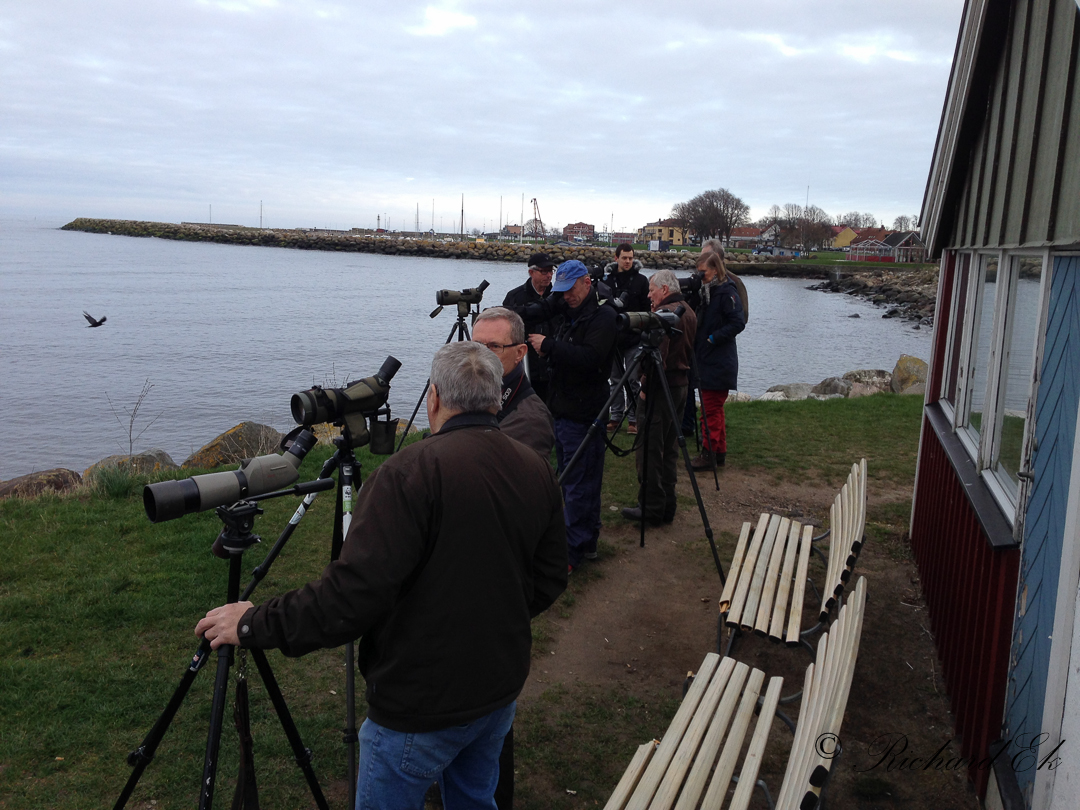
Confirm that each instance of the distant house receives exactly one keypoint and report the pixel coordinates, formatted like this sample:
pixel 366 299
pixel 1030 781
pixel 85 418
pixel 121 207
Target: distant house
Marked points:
pixel 744 237
pixel 906 246
pixel 995 522
pixel 665 230
pixel 623 238
pixel 842 236
pixel 870 250
pixel 511 230
pixel 579 230
pixel 770 235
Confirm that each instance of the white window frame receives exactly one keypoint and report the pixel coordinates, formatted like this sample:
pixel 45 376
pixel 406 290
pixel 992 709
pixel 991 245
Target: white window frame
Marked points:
pixel 984 448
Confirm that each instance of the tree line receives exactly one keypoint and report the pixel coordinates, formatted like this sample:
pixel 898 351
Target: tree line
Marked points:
pixel 716 213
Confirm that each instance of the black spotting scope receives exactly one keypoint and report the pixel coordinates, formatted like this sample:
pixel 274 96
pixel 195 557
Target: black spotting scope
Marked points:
pixel 167 500
pixel 645 321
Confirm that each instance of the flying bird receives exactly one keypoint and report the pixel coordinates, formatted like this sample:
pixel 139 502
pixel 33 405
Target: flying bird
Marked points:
pixel 93 321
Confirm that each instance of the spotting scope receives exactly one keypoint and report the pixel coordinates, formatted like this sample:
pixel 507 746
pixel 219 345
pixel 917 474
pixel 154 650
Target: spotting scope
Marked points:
pixel 473 295
pixel 645 321
pixel 167 500
pixel 364 396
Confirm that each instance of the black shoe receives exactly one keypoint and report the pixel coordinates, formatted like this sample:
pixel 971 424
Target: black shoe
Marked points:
pixel 719 458
pixel 704 461
pixel 634 513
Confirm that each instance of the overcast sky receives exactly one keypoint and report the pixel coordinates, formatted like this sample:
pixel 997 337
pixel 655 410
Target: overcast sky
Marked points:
pixel 332 113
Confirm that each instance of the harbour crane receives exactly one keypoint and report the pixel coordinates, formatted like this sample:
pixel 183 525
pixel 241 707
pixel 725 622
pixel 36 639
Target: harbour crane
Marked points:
pixel 539 222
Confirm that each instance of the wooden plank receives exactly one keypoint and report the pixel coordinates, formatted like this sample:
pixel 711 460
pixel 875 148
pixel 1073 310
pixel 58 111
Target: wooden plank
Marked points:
pixel 768 593
pixel 710 747
pixel 753 596
pixel 733 569
pixel 795 616
pixel 739 600
pixel 631 776
pixel 688 747
pixel 752 763
pixel 791 786
pixel 776 628
pixel 654 773
pixel 725 766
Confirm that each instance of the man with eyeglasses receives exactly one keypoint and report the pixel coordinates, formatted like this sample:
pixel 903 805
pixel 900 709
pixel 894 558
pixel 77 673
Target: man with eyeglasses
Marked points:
pixel 522 415
pixel 534 291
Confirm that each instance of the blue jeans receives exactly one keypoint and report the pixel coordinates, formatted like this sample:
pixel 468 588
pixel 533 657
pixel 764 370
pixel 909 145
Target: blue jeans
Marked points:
pixel 581 489
pixel 396 768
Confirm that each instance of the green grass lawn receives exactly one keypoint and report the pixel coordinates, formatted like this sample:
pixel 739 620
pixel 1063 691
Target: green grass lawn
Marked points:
pixel 98 606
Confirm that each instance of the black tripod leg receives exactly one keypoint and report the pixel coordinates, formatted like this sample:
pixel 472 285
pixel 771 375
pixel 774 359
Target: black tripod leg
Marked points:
pixel 221 693
pixel 144 754
pixel 598 421
pixel 643 486
pixel 689 468
pixel 302 754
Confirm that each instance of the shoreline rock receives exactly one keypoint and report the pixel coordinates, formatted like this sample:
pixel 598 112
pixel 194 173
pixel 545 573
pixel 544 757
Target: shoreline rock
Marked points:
pixel 906 292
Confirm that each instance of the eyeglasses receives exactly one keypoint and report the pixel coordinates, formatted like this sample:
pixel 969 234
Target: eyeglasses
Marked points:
pixel 547 271
pixel 498 347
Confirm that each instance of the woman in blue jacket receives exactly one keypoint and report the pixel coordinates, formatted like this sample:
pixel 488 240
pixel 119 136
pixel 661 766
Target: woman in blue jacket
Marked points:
pixel 720 319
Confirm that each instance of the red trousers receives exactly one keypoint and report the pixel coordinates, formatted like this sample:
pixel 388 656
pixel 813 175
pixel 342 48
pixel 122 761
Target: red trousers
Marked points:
pixel 713 429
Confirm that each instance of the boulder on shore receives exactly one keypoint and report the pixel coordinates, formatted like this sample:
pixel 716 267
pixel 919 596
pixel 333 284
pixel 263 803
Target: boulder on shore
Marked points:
pixel 793 391
pixel 57 479
pixel 151 461
pixel 874 380
pixel 832 386
pixel 246 440
pixel 909 371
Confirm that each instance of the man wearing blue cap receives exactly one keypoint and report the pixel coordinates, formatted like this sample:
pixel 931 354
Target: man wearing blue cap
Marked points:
pixel 580 354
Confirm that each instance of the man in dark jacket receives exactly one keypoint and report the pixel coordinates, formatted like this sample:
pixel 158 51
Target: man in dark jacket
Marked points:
pixel 456 543
pixel 580 356
pixel 536 290
pixel 626 280
pixel 523 415
pixel 662 451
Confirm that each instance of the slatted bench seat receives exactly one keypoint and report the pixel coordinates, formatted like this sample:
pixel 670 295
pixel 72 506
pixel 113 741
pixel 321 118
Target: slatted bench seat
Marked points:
pixel 766 584
pixel 695 762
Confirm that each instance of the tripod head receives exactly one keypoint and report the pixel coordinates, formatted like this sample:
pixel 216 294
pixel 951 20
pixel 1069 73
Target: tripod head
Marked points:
pixel 236 536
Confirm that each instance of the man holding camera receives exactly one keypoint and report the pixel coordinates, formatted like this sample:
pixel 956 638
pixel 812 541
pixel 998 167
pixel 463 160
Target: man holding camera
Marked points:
pixel 662 451
pixel 626 281
pixel 580 356
pixel 456 543
pixel 534 291
pixel 522 415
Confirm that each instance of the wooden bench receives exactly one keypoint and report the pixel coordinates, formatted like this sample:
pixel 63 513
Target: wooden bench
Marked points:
pixel 766 584
pixel 694 764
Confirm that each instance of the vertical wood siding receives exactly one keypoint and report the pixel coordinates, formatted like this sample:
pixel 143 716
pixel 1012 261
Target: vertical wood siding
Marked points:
pixel 970 590
pixel 1055 431
pixel 1023 182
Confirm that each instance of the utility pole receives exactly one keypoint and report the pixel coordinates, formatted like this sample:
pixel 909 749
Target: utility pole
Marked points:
pixel 211 214
pixel 463 217
pixel 433 215
pixel 500 215
pixel 260 215
pixel 521 227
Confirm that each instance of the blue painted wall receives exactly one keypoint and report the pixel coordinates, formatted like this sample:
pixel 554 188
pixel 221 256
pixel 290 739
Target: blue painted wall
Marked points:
pixel 1055 429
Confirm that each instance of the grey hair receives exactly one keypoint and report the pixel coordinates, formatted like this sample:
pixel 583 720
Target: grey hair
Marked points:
pixel 665 278
pixel 468 377
pixel 517 326
pixel 715 246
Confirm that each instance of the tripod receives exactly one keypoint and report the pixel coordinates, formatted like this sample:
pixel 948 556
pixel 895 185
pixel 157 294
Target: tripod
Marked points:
pixel 465 310
pixel 234 540
pixel 647 358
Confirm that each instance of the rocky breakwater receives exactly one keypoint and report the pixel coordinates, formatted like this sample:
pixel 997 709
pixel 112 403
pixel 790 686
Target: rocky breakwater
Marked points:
pixel 905 292
pixel 395 245
pixel 907 377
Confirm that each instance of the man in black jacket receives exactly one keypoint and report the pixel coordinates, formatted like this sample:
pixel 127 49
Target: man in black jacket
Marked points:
pixel 626 280
pixel 580 355
pixel 536 290
pixel 455 544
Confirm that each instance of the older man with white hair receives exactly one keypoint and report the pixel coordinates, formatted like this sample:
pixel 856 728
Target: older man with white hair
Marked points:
pixel 456 543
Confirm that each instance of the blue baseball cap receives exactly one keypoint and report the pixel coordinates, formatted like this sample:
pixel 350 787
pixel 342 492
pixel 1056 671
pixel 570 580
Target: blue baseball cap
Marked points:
pixel 568 274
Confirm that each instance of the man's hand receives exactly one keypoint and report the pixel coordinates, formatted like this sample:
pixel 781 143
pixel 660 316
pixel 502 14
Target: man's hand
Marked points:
pixel 219 625
pixel 536 341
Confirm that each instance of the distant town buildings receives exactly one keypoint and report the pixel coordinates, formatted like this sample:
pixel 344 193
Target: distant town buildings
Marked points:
pixel 579 230
pixel 664 230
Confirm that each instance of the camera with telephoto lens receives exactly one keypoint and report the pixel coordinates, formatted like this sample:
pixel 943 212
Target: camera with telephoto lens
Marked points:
pixel 351 407
pixel 167 500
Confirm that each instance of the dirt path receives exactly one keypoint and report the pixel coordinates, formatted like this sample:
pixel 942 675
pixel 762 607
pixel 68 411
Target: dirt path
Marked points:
pixel 646 616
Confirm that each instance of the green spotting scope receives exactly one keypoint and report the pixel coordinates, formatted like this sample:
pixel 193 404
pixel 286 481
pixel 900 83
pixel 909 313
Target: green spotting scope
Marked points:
pixel 167 500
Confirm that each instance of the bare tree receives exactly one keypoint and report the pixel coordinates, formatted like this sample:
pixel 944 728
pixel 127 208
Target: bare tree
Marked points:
pixel 712 213
pixel 902 223
pixel 535 229
pixel 132 416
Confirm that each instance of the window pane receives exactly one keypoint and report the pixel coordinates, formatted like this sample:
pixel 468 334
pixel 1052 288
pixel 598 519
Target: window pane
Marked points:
pixel 981 343
pixel 956 327
pixel 1016 371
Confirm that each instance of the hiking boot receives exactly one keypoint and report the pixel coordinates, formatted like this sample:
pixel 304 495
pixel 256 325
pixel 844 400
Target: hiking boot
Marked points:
pixel 613 425
pixel 634 513
pixel 631 429
pixel 704 461
pixel 719 458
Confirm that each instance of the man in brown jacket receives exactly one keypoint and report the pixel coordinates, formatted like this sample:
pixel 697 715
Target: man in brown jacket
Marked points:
pixel 456 543
pixel 662 450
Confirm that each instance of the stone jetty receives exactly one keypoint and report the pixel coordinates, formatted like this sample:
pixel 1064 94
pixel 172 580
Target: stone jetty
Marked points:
pixel 904 291
pixel 359 241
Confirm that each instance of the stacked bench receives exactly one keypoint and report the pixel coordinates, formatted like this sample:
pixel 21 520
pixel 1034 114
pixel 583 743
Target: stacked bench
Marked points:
pixel 766 584
pixel 693 765
pixel 697 759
